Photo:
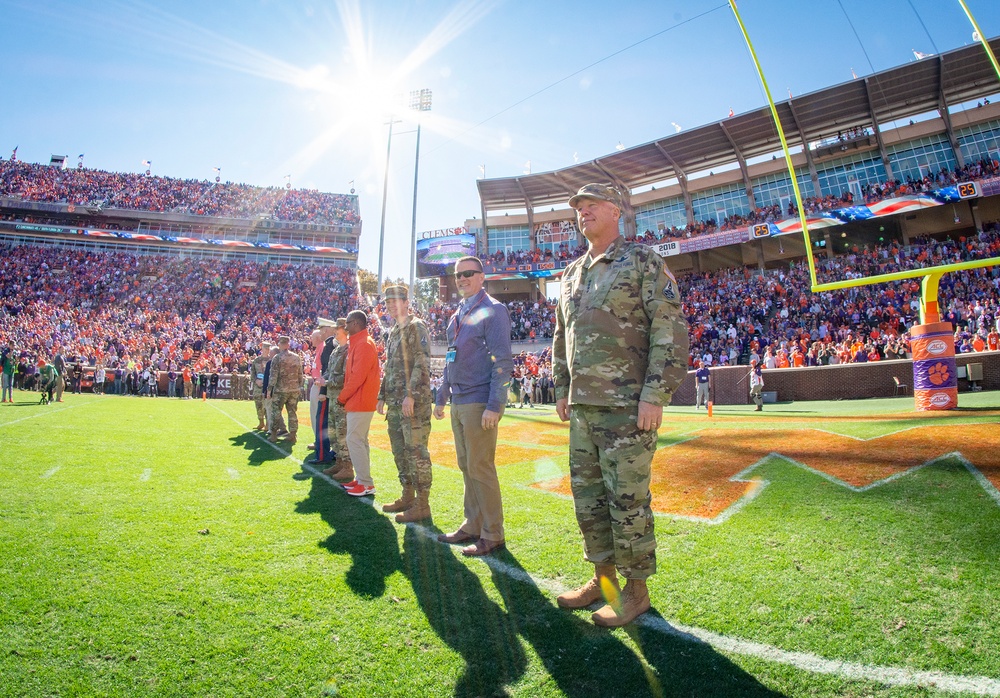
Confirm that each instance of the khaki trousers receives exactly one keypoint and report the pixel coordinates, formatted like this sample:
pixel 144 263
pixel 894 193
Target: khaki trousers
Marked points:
pixel 358 424
pixel 476 449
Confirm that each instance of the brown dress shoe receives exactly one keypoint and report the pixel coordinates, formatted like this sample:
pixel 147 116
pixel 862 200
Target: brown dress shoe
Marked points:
pixel 457 538
pixel 483 547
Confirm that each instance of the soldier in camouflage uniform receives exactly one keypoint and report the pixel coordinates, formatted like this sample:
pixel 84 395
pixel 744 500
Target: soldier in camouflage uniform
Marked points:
pixel 405 399
pixel 285 386
pixel 342 470
pixel 619 351
pixel 275 422
pixel 257 375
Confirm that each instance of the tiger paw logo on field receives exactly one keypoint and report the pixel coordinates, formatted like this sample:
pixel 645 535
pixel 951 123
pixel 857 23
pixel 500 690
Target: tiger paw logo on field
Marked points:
pixel 938 374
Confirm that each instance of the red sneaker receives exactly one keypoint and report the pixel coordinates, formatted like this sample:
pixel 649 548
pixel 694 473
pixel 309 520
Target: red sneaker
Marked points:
pixel 359 490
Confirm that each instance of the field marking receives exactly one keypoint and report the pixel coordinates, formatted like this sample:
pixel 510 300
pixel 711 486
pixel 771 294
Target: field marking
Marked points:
pixel 806 661
pixel 234 474
pixel 50 472
pixel 760 484
pixel 47 412
pixel 146 475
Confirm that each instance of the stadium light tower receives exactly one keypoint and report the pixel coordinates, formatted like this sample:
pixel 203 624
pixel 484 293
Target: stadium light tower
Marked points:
pixel 385 192
pixel 420 100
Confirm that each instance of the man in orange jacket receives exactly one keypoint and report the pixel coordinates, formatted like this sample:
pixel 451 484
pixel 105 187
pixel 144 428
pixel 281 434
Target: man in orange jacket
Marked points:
pixel 359 396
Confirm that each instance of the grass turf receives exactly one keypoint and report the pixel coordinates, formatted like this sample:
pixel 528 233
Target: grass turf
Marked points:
pixel 107 586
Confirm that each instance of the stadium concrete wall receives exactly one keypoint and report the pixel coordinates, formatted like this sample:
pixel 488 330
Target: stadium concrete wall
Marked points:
pixel 841 382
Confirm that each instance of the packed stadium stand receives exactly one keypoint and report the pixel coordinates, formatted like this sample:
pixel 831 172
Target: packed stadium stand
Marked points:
pixel 93 209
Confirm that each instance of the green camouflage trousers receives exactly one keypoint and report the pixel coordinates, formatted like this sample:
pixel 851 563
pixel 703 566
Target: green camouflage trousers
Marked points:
pixel 290 401
pixel 258 401
pixel 408 436
pixel 609 464
pixel 336 429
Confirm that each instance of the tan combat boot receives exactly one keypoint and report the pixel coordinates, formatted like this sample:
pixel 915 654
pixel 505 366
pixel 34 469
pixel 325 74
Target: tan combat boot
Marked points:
pixel 418 511
pixel 633 602
pixel 591 591
pixel 402 504
pixel 345 474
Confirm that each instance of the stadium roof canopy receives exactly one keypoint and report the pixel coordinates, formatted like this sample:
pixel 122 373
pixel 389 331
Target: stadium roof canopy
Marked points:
pixel 898 93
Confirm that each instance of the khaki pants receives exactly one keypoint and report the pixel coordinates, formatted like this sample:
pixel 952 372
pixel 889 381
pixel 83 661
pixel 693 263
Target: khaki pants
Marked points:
pixel 476 449
pixel 358 424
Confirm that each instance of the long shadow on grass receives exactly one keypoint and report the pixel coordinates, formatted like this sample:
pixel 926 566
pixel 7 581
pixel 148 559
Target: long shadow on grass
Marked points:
pixel 462 615
pixel 359 531
pixel 260 450
pixel 588 661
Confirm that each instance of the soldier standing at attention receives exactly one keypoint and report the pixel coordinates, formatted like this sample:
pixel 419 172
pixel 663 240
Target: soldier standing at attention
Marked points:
pixel 257 374
pixel 405 400
pixel 342 470
pixel 619 351
pixel 285 386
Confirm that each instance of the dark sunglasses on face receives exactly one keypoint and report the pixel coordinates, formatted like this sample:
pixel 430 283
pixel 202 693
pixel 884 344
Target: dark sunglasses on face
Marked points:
pixel 467 274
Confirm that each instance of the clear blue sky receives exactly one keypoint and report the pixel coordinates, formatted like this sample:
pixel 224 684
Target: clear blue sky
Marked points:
pixel 275 87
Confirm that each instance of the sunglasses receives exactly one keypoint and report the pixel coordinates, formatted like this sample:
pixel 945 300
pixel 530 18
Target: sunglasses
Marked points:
pixel 467 274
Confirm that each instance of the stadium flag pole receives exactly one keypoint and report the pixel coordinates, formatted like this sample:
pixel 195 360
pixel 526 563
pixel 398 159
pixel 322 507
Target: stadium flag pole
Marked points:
pixel 784 144
pixel 982 37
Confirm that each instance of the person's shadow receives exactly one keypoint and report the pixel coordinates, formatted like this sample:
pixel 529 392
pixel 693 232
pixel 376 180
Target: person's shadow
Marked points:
pixel 462 615
pixel 359 531
pixel 259 449
pixel 585 660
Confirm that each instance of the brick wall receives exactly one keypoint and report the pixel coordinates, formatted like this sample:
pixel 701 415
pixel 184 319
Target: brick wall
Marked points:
pixel 842 382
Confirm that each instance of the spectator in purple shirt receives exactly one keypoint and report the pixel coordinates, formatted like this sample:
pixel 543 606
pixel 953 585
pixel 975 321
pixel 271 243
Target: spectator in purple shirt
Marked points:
pixel 477 376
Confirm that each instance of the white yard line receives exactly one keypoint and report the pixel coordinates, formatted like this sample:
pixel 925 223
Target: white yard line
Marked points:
pixel 887 675
pixel 50 472
pixel 46 413
pixel 146 475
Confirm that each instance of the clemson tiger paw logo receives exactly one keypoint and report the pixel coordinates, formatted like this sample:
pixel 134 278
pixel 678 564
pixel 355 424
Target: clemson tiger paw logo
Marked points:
pixel 938 374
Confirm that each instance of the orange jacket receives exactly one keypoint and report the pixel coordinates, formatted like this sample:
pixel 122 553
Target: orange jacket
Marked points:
pixel 361 375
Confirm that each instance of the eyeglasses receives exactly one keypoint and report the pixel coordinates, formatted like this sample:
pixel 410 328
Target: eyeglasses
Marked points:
pixel 467 274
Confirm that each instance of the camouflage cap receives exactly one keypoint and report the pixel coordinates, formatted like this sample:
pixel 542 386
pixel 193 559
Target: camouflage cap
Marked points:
pixel 284 339
pixel 602 192
pixel 395 293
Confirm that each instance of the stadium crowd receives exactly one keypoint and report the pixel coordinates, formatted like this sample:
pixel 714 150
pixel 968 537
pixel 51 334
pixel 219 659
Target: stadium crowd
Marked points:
pixel 119 310
pixel 141 192
pixel 732 312
pixel 872 193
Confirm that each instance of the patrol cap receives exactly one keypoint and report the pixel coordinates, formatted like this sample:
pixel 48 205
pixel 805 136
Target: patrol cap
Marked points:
pixel 397 293
pixel 602 192
pixel 284 339
pixel 324 322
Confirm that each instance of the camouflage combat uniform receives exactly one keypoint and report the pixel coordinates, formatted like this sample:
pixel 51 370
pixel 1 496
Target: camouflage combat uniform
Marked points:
pixel 285 383
pixel 257 374
pixel 337 420
pixel 620 339
pixel 407 373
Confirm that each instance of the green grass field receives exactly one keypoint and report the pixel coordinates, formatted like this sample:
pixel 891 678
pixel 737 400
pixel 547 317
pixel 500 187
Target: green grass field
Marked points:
pixel 808 588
